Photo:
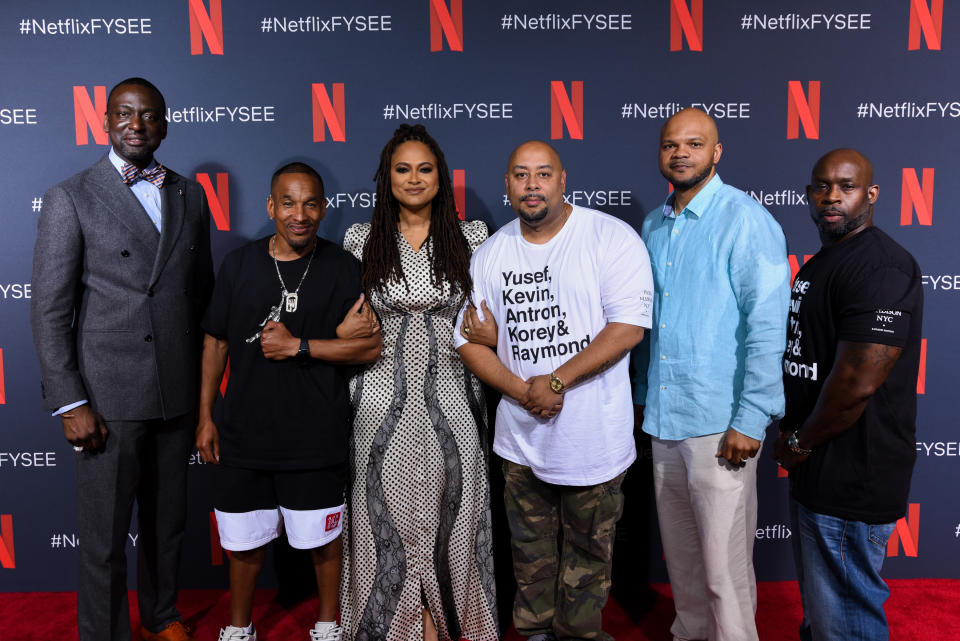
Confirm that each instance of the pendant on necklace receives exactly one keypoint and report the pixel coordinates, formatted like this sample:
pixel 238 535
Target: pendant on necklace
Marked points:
pixel 291 301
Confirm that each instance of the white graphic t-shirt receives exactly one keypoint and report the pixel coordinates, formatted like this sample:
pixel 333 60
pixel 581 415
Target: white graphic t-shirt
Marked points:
pixel 549 302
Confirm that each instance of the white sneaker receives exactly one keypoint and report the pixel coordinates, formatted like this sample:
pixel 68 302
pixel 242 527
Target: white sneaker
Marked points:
pixel 325 632
pixel 233 633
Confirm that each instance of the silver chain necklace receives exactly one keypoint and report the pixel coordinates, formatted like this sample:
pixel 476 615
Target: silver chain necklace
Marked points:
pixel 290 298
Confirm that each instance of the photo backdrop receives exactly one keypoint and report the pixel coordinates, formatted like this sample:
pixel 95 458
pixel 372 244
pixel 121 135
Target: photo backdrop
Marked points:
pixel 250 86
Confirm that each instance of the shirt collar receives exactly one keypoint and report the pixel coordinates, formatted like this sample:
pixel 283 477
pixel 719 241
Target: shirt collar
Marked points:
pixel 119 162
pixel 698 206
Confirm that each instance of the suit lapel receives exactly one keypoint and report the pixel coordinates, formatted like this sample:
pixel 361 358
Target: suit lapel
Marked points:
pixel 172 208
pixel 117 198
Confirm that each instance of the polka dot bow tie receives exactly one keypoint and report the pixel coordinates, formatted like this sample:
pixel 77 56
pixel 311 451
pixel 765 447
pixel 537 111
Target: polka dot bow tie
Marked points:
pixel 131 174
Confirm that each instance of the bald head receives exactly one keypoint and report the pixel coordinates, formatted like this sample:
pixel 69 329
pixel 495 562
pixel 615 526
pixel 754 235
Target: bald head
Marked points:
pixel 539 147
pixel 851 157
pixel 535 183
pixel 692 118
pixel 689 152
pixel 841 194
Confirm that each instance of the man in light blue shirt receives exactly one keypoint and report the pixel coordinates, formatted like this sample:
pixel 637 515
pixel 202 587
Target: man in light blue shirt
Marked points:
pixel 709 377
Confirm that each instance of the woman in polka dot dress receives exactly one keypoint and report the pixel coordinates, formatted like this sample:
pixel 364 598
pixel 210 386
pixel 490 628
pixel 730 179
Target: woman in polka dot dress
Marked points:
pixel 418 560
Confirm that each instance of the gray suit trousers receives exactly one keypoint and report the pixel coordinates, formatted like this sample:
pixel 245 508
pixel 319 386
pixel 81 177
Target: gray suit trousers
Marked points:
pixel 144 461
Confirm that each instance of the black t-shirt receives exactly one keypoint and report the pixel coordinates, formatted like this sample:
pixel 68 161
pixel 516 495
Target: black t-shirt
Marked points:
pixel 288 414
pixel 866 289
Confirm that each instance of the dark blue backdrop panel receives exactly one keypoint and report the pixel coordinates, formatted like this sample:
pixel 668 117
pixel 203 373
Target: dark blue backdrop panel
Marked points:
pixel 243 87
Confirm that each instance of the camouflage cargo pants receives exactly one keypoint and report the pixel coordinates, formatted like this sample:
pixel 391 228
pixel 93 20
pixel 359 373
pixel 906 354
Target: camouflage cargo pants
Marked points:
pixel 562 585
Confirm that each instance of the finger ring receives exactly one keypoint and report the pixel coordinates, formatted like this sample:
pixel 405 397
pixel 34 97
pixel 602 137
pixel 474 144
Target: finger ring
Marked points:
pixel 466 329
pixel 77 448
pixel 743 463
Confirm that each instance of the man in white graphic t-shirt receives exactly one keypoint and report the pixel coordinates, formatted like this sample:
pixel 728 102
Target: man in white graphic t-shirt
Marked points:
pixel 570 290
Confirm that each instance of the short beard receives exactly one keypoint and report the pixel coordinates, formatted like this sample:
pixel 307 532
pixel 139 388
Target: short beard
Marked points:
pixel 534 216
pixel 836 231
pixel 691 182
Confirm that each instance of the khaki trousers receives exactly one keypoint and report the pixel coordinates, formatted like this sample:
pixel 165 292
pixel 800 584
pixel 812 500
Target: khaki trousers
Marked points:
pixel 708 520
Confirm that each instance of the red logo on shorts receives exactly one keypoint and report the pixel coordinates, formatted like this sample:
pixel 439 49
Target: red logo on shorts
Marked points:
pixel 333 520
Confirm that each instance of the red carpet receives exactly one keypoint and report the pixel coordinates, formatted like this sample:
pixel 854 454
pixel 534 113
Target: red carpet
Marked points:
pixel 918 610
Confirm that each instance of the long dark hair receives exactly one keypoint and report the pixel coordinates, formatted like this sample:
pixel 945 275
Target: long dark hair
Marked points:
pixel 450 253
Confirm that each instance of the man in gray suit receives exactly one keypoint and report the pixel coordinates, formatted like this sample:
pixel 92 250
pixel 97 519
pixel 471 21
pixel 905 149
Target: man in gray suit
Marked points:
pixel 121 276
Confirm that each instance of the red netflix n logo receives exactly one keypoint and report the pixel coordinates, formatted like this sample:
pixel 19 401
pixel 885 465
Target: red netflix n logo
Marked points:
pixel 922 372
pixel 795 265
pixel 446 23
pixel 3 389
pixel 916 195
pixel 88 114
pixel 460 192
pixel 686 22
pixel 225 379
pixel 906 532
pixel 8 559
pixel 218 199
pixel 206 27
pixel 331 113
pixel 929 21
pixel 566 109
pixel 801 109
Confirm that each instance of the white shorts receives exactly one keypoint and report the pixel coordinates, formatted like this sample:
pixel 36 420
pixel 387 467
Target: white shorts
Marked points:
pixel 253 506
pixel 306 529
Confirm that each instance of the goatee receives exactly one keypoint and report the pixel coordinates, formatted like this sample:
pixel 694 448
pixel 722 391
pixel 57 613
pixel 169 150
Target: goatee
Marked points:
pixel 683 185
pixel 534 216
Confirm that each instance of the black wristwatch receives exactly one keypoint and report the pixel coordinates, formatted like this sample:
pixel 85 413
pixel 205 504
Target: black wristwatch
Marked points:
pixel 303 354
pixel 793 444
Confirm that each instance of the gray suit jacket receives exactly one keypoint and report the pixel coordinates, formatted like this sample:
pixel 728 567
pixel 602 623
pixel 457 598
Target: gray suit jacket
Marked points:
pixel 116 307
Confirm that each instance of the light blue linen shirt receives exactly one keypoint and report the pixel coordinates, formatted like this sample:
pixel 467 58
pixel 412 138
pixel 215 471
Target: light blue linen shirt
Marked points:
pixel 721 293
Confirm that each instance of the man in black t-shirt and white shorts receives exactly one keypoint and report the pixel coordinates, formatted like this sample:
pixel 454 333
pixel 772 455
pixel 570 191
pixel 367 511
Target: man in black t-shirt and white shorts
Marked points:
pixel 282 441
pixel 849 433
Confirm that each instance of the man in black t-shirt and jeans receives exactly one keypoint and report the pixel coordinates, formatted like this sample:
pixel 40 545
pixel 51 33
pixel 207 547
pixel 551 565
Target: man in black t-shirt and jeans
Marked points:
pixel 282 441
pixel 850 375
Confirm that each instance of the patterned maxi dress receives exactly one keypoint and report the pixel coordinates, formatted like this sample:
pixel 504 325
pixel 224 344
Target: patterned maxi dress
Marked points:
pixel 418 504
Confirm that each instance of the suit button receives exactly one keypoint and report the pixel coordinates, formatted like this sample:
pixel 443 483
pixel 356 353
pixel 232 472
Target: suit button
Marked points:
pixel 187 332
pixel 185 291
pixel 124 253
pixel 148 338
pixel 193 248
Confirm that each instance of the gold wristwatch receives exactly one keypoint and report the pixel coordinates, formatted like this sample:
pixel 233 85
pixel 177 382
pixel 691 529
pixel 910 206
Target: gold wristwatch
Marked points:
pixel 556 384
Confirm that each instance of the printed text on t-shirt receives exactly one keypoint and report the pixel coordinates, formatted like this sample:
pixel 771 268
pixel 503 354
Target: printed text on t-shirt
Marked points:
pixel 535 324
pixel 796 366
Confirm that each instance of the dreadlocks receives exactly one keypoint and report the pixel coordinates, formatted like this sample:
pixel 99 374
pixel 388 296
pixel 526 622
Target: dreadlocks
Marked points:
pixel 450 253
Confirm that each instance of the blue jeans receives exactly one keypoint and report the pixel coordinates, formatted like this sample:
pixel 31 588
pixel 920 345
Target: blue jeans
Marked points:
pixel 838 569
